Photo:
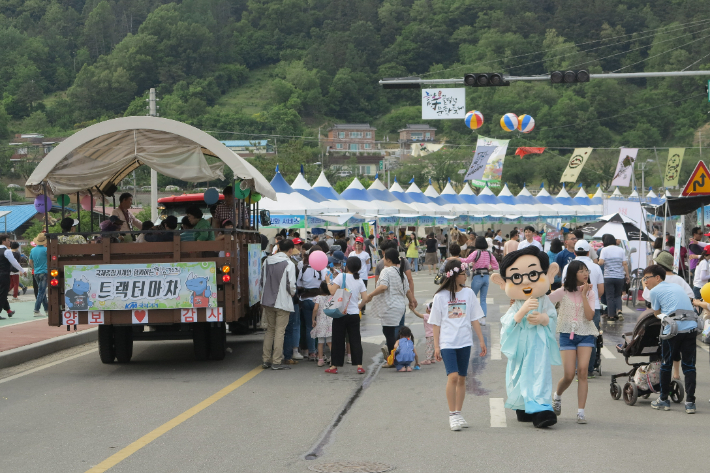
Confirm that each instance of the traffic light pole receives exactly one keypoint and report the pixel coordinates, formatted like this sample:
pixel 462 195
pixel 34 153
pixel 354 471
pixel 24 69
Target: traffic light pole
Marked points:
pixel 545 77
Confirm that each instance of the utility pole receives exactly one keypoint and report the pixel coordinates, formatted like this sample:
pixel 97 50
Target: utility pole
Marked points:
pixel 153 112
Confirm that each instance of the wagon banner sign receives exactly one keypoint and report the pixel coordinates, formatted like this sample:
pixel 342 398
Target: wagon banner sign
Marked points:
pixel 140 286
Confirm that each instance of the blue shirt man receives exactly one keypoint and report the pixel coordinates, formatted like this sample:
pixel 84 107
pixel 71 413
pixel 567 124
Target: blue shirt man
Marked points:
pixel 668 298
pixel 568 253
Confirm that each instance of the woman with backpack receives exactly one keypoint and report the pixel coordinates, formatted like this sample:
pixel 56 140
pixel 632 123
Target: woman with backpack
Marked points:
pixel 389 299
pixel 481 262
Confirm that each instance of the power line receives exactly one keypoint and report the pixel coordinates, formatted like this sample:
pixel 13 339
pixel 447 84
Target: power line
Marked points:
pixel 696 62
pixel 664 52
pixel 671 28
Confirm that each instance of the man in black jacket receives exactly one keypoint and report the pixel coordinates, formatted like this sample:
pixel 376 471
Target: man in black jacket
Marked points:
pixel 7 262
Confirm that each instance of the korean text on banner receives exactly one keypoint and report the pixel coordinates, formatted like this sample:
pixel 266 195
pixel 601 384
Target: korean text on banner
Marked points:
pixel 625 167
pixel 480 159
pixel 254 260
pixel 675 159
pixel 575 164
pixel 440 104
pixel 676 250
pixel 493 172
pixel 140 286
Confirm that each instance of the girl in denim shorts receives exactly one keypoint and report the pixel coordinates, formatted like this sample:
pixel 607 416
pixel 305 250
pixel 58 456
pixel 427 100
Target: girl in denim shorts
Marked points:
pixel 455 311
pixel 578 334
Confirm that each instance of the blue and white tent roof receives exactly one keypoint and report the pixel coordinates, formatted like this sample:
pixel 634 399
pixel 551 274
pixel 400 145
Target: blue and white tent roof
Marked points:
pixel 525 197
pixel 598 198
pixel 634 196
pixel 564 198
pixel 431 193
pixel 357 194
pixel 507 197
pixel 289 201
pixel 544 197
pixel 421 202
pixel 582 198
pixel 380 192
pixel 616 194
pixel 323 187
pixel 652 198
pixel 475 205
pixel 301 186
pixel 486 196
pixel 461 207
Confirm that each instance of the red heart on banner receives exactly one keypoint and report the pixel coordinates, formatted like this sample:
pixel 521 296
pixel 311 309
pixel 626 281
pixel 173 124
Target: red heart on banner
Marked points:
pixel 140 315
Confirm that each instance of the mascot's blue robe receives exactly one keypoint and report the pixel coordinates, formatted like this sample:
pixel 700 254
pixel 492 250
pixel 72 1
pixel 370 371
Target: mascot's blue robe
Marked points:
pixel 531 351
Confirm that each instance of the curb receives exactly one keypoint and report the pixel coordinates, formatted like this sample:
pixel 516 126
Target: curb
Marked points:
pixel 33 351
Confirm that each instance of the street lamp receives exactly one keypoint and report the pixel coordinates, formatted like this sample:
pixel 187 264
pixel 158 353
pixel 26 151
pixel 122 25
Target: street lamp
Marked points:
pixel 643 175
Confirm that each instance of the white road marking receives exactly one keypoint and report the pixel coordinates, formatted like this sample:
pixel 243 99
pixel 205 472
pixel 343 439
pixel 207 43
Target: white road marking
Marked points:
pixel 702 345
pixel 607 354
pixel 494 349
pixel 48 365
pixel 497 412
pixel 489 300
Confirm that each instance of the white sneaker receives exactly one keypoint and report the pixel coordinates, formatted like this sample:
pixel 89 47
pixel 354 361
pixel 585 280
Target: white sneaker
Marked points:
pixel 556 405
pixel 581 419
pixel 462 421
pixel 38 314
pixel 297 355
pixel 454 423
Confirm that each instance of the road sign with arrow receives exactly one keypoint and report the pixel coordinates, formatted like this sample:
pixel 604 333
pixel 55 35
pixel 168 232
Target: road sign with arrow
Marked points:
pixel 699 182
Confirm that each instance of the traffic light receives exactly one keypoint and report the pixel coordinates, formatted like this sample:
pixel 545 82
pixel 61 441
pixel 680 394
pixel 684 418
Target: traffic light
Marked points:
pixel 487 79
pixel 401 86
pixel 569 77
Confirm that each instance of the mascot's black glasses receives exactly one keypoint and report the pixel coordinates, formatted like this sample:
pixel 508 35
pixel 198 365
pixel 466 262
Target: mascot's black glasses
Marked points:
pixel 517 279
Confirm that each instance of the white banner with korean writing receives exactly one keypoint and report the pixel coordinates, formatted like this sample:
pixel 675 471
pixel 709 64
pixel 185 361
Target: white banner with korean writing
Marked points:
pixel 140 286
pixel 440 104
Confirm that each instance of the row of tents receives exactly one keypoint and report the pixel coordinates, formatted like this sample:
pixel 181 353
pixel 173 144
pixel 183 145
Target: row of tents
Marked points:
pixel 322 199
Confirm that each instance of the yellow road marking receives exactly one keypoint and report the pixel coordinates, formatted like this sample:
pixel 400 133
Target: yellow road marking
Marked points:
pixel 121 455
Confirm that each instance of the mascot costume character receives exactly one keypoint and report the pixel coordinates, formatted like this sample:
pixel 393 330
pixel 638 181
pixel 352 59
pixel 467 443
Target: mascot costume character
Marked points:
pixel 527 336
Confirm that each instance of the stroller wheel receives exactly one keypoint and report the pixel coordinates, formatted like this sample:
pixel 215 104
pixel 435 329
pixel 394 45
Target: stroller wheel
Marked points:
pixel 677 393
pixel 615 391
pixel 631 393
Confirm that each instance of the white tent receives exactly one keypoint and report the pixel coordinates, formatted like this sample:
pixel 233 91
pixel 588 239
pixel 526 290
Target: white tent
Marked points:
pixel 564 198
pixel 452 209
pixel 301 186
pixel 416 195
pixel 357 194
pixel 461 207
pixel 487 196
pixel 475 206
pixel 424 208
pixel 545 210
pixel 598 198
pixel 289 202
pixel 526 209
pixel 380 192
pixel 544 197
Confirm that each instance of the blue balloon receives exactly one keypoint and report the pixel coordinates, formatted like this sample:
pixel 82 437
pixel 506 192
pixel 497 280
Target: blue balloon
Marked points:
pixel 211 196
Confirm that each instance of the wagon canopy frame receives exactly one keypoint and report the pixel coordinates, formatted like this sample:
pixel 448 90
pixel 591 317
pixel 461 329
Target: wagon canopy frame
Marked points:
pixel 102 155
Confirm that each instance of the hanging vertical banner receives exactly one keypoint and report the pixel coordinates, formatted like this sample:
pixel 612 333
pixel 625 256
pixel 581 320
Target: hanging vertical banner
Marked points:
pixel 675 159
pixel 676 250
pixel 625 167
pixel 439 104
pixel 575 164
pixel 480 159
pixel 493 172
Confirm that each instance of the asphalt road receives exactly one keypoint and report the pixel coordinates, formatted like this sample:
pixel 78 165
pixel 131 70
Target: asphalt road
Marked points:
pixel 165 412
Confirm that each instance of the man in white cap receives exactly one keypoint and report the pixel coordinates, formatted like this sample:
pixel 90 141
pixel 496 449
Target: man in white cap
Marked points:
pixel 596 279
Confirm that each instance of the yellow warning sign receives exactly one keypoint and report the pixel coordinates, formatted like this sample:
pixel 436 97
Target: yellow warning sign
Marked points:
pixel 699 182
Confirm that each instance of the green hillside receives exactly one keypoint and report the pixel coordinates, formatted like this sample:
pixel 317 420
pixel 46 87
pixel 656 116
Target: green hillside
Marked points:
pixel 284 67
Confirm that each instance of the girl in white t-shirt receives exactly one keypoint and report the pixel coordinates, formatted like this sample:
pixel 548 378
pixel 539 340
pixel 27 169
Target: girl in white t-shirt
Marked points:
pixel 455 309
pixel 349 323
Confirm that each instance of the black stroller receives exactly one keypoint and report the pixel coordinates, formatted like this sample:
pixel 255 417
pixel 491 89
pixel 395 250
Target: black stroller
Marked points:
pixel 597 361
pixel 642 342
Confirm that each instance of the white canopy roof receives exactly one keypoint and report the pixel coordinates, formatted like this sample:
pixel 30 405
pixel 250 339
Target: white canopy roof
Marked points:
pixel 477 207
pixel 507 197
pixel 357 194
pixel 301 186
pixel 105 153
pixel 526 197
pixel 380 192
pixel 420 202
pixel 289 201
pixel 452 209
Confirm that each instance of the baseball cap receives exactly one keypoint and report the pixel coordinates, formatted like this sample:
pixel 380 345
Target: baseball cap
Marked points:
pixel 391 232
pixel 360 239
pixel 339 257
pixel 581 245
pixel 706 250
pixel 664 259
pixel 297 241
